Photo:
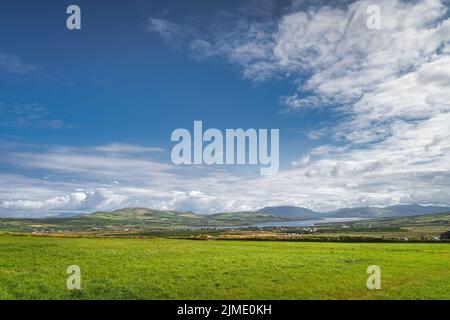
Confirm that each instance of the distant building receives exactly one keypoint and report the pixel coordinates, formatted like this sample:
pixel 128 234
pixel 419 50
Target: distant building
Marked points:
pixel 445 235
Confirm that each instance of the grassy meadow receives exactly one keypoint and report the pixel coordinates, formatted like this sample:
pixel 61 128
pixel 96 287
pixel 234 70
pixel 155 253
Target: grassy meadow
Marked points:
pixel 33 267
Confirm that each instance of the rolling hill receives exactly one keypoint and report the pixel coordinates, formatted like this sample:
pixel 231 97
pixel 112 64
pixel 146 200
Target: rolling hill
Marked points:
pixel 291 211
pixel 442 219
pixel 146 216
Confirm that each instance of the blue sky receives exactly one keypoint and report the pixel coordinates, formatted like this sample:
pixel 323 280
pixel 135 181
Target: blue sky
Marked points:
pixel 86 115
pixel 113 74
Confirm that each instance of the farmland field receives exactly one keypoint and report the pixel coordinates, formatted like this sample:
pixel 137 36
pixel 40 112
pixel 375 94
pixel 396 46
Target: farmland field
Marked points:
pixel 111 268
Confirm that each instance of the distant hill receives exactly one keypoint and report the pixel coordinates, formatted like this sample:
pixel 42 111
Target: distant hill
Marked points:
pixel 433 219
pixel 392 211
pixel 141 219
pixel 358 212
pixel 267 214
pixel 291 211
pixel 164 218
pixel 140 214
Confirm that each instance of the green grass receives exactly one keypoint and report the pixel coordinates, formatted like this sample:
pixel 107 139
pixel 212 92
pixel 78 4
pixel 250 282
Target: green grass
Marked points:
pixel 35 268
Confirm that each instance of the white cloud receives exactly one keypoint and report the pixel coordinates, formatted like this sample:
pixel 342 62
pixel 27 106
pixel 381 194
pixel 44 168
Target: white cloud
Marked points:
pixel 126 148
pixel 201 49
pixel 89 164
pixel 172 34
pixel 11 64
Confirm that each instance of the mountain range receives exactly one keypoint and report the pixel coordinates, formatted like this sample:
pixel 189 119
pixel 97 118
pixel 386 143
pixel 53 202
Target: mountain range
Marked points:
pixel 269 214
pixel 357 212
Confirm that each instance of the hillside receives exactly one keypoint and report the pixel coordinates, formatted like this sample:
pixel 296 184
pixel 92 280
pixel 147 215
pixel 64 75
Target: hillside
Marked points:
pixel 291 211
pixel 391 211
pixel 242 218
pixel 176 218
pixel 439 219
pixel 138 216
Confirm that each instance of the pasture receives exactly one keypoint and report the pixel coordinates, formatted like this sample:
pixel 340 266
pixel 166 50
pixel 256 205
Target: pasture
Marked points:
pixel 34 267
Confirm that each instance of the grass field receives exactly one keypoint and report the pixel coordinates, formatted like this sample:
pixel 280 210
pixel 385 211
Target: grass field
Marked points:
pixel 35 268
